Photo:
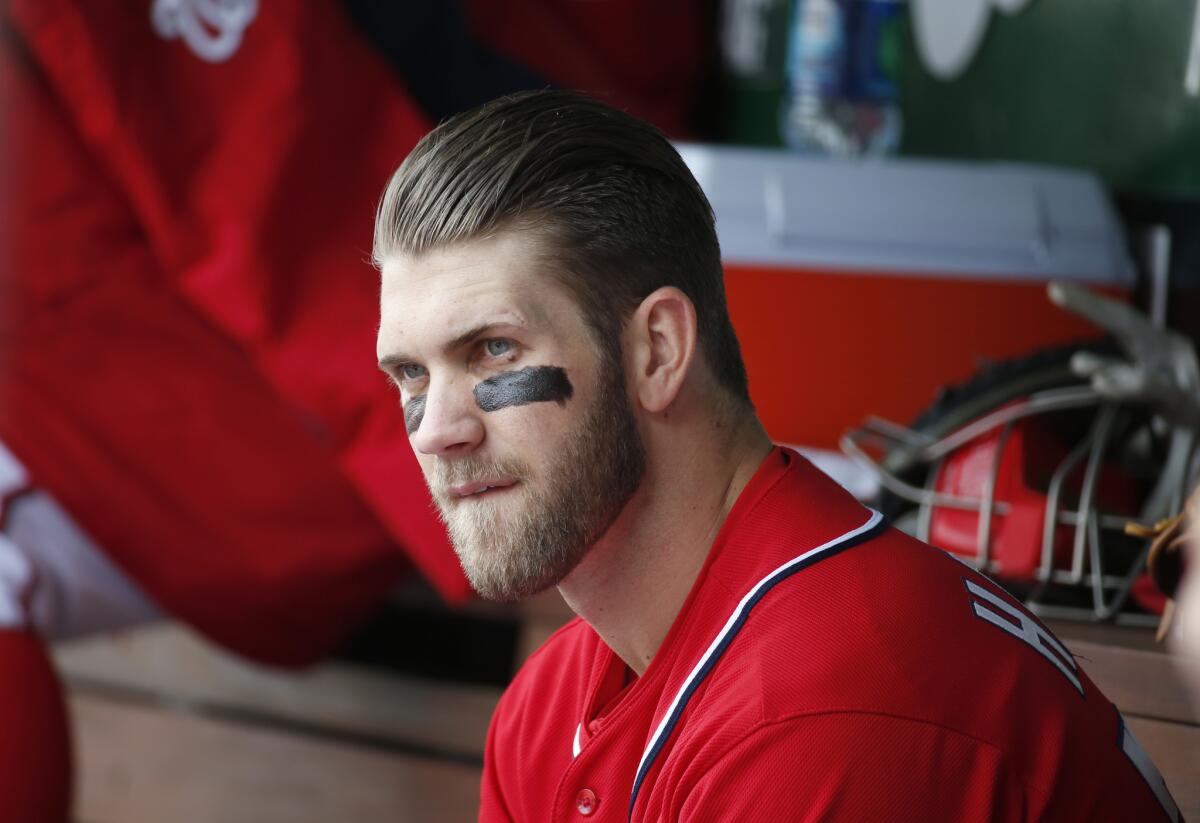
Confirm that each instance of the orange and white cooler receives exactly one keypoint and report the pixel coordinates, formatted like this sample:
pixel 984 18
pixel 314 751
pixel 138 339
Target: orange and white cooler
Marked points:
pixel 859 287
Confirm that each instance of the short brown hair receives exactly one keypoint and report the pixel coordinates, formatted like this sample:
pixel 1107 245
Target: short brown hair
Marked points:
pixel 620 210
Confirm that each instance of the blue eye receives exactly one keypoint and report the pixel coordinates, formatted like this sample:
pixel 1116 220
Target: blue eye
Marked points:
pixel 411 371
pixel 497 348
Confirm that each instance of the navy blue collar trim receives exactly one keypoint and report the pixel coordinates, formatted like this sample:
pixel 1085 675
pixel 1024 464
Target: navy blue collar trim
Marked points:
pixel 868 531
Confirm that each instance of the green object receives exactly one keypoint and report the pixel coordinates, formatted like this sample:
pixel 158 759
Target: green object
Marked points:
pixel 754 40
pixel 891 47
pixel 1095 84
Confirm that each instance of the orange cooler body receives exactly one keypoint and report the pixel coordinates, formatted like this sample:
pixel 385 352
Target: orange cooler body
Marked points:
pixel 860 288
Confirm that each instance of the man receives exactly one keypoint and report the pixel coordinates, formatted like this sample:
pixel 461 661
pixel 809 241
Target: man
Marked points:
pixel 752 643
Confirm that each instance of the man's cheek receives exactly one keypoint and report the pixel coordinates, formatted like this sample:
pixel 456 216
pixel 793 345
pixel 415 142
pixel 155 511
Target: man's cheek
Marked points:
pixel 533 384
pixel 414 412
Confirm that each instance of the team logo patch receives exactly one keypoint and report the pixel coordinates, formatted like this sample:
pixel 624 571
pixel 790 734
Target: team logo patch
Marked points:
pixel 212 29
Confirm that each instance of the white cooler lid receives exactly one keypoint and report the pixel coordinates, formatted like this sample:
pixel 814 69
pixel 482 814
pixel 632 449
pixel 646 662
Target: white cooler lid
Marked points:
pixel 987 220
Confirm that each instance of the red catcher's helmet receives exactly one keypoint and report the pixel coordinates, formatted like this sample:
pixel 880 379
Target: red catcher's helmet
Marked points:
pixel 1036 492
pixel 1050 471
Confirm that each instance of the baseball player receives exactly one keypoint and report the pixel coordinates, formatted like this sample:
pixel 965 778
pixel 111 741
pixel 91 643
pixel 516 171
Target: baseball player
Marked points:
pixel 752 643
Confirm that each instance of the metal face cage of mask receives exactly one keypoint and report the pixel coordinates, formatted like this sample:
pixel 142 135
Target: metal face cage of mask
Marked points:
pixel 1138 415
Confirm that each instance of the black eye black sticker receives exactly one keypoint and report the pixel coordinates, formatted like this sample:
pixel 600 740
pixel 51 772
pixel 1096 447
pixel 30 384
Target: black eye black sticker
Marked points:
pixel 533 384
pixel 414 410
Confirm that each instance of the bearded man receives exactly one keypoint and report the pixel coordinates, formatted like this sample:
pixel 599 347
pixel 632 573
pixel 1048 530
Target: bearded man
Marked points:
pixel 752 643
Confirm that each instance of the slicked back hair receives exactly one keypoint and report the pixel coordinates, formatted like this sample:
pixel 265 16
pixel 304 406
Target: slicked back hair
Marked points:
pixel 618 212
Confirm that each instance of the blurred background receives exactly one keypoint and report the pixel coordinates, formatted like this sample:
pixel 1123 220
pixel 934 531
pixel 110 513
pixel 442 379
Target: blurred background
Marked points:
pixel 224 594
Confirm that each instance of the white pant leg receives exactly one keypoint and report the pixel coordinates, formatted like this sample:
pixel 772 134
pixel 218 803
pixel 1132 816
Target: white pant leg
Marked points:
pixel 52 575
pixel 16 576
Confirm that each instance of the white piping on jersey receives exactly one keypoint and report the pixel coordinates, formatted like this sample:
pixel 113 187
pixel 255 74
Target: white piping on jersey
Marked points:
pixel 871 523
pixel 1145 766
pixel 576 746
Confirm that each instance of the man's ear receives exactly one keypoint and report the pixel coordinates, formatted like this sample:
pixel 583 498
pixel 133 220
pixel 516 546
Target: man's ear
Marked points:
pixel 662 344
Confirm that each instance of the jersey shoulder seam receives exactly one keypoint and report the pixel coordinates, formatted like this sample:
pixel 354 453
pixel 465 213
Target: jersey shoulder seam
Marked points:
pixel 532 663
pixel 794 717
pixel 747 736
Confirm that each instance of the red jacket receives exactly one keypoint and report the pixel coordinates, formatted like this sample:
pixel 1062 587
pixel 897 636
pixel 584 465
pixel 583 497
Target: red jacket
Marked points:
pixel 187 337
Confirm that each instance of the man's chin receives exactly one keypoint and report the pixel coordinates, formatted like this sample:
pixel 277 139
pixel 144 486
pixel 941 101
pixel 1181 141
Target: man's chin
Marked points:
pixel 492 579
pixel 509 591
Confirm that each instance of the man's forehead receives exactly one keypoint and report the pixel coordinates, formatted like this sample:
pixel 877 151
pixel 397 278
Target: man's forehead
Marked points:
pixel 442 294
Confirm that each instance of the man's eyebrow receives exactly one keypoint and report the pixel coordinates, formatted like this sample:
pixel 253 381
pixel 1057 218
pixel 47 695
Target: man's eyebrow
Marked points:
pixel 394 361
pixel 397 359
pixel 476 331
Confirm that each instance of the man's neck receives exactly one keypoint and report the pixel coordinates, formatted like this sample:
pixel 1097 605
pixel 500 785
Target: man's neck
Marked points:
pixel 632 584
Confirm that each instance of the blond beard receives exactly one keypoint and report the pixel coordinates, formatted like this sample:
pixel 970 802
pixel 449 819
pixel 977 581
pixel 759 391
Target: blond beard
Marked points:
pixel 492 538
pixel 533 536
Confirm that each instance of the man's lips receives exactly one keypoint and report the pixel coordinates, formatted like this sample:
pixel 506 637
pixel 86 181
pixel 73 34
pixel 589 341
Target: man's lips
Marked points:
pixel 479 487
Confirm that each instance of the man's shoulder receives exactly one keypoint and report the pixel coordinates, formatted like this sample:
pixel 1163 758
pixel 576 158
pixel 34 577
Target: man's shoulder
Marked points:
pixel 890 639
pixel 893 626
pixel 571 648
pixel 568 640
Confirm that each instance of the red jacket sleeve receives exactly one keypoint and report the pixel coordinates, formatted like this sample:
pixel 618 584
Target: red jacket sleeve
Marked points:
pixel 187 314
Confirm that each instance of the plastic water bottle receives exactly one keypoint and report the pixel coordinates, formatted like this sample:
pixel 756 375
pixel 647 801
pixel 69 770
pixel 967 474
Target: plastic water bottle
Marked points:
pixel 876 38
pixel 840 97
pixel 815 69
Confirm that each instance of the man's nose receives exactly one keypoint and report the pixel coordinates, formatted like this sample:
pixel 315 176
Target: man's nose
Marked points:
pixel 450 420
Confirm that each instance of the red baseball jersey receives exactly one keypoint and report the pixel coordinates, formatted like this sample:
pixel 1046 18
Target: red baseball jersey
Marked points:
pixel 187 310
pixel 823 667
